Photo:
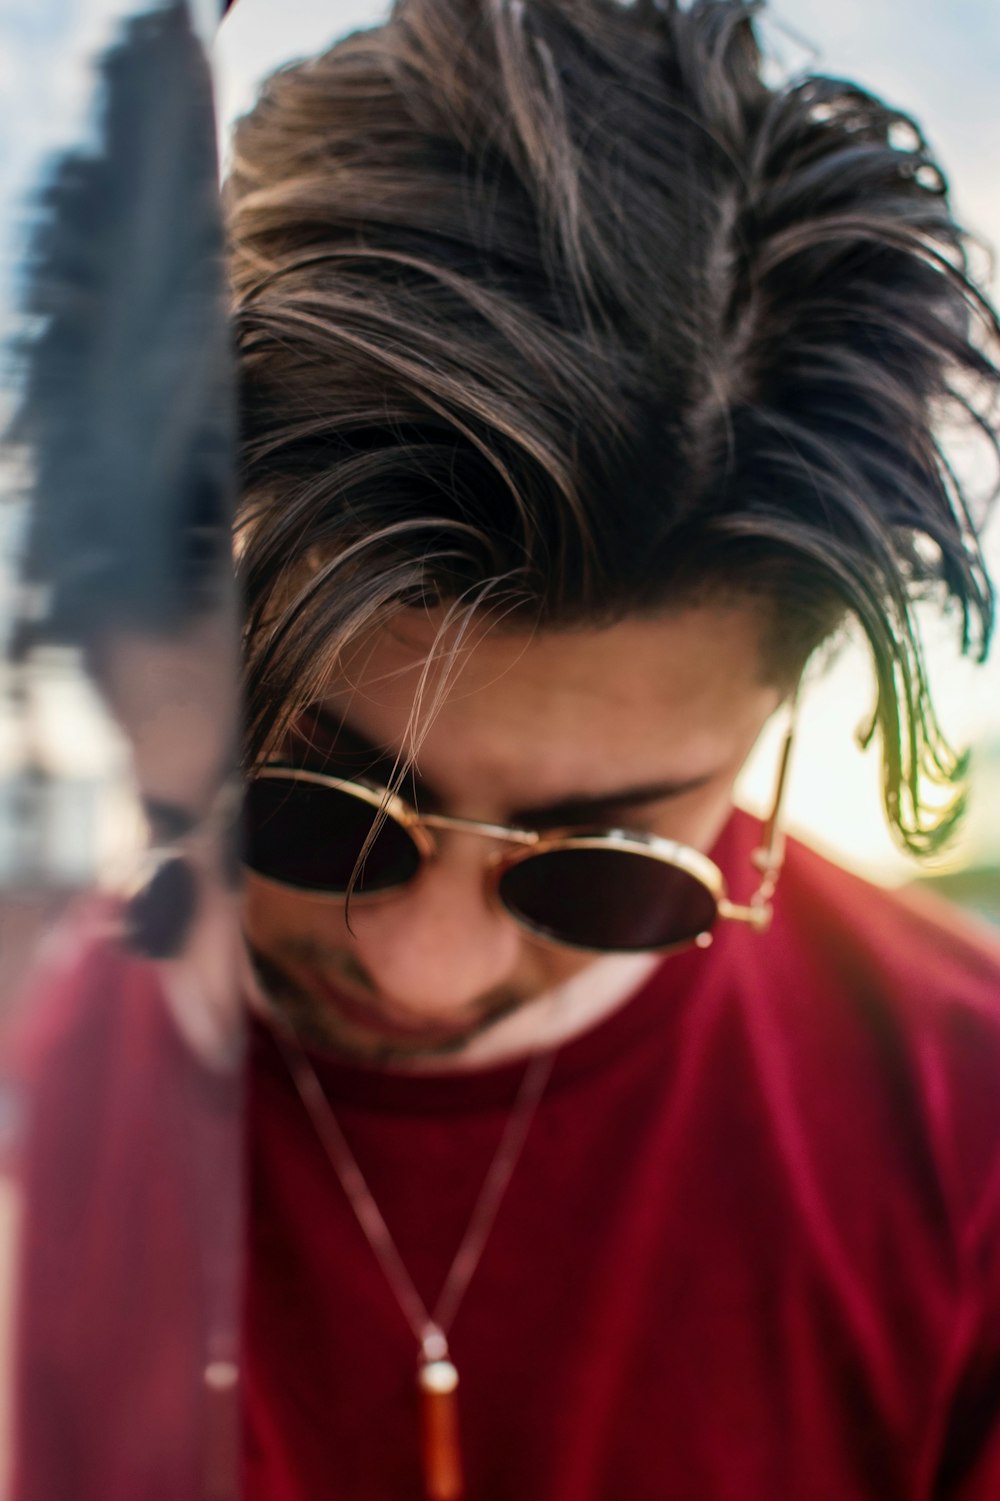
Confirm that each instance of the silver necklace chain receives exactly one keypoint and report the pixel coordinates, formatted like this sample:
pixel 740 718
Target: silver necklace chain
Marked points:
pixel 429 1328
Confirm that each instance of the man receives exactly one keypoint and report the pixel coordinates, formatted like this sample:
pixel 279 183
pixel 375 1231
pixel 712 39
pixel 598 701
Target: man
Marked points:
pixel 588 385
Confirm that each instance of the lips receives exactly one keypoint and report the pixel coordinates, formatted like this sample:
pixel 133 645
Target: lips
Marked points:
pixel 368 1016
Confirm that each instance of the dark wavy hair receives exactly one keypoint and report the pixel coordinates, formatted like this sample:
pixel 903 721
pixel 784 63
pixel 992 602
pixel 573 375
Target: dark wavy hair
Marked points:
pixel 554 309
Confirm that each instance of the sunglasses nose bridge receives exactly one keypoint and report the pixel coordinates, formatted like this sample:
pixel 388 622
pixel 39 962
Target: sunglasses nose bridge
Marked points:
pixel 508 844
pixel 500 833
pixel 509 847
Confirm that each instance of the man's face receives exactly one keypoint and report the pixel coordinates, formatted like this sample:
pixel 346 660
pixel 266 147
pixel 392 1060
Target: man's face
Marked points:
pixel 642 725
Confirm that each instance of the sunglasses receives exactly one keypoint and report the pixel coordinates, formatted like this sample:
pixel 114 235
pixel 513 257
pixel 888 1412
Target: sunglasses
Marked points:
pixel 601 890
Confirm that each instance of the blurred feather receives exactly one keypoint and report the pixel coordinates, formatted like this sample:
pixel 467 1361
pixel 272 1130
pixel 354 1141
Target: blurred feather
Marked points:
pixel 126 410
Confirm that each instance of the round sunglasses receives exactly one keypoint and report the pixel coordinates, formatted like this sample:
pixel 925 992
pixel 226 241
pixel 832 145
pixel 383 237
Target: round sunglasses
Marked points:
pixel 602 890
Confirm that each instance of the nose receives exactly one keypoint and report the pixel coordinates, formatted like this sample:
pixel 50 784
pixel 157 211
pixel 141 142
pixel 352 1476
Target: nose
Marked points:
pixel 441 943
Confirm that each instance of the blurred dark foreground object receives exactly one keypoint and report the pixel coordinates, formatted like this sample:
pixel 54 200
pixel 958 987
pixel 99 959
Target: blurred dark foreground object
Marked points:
pixel 124 430
pixel 119 1094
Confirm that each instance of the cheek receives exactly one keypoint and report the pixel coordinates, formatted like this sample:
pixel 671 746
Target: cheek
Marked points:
pixel 271 915
pixel 554 966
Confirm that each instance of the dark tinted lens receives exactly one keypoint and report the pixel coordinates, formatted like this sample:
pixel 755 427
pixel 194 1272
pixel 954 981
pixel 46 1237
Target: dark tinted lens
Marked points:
pixel 607 899
pixel 310 836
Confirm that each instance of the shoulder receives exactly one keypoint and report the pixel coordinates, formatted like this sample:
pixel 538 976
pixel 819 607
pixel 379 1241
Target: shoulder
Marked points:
pixel 904 945
pixel 889 1006
pixel 90 1015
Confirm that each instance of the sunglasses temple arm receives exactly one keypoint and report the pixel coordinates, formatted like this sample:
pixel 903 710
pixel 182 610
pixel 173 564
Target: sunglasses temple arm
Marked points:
pixel 769 855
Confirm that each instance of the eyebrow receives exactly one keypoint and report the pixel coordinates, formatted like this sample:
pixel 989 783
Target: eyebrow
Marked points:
pixel 380 763
pixel 344 745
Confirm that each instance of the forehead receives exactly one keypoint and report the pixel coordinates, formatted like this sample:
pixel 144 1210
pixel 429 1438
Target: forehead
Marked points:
pixel 523 713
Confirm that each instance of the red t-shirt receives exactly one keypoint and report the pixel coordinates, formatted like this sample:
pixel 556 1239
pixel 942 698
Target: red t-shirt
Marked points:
pixel 751 1251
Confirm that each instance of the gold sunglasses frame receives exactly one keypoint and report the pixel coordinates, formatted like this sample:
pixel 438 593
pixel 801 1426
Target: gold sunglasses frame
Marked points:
pixel 767 858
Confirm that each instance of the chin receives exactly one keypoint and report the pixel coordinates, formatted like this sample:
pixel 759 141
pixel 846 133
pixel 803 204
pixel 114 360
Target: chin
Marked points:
pixel 318 1026
pixel 319 1021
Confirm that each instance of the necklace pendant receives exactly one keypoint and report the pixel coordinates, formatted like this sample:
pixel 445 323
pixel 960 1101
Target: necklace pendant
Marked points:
pixel 437 1383
pixel 437 1378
